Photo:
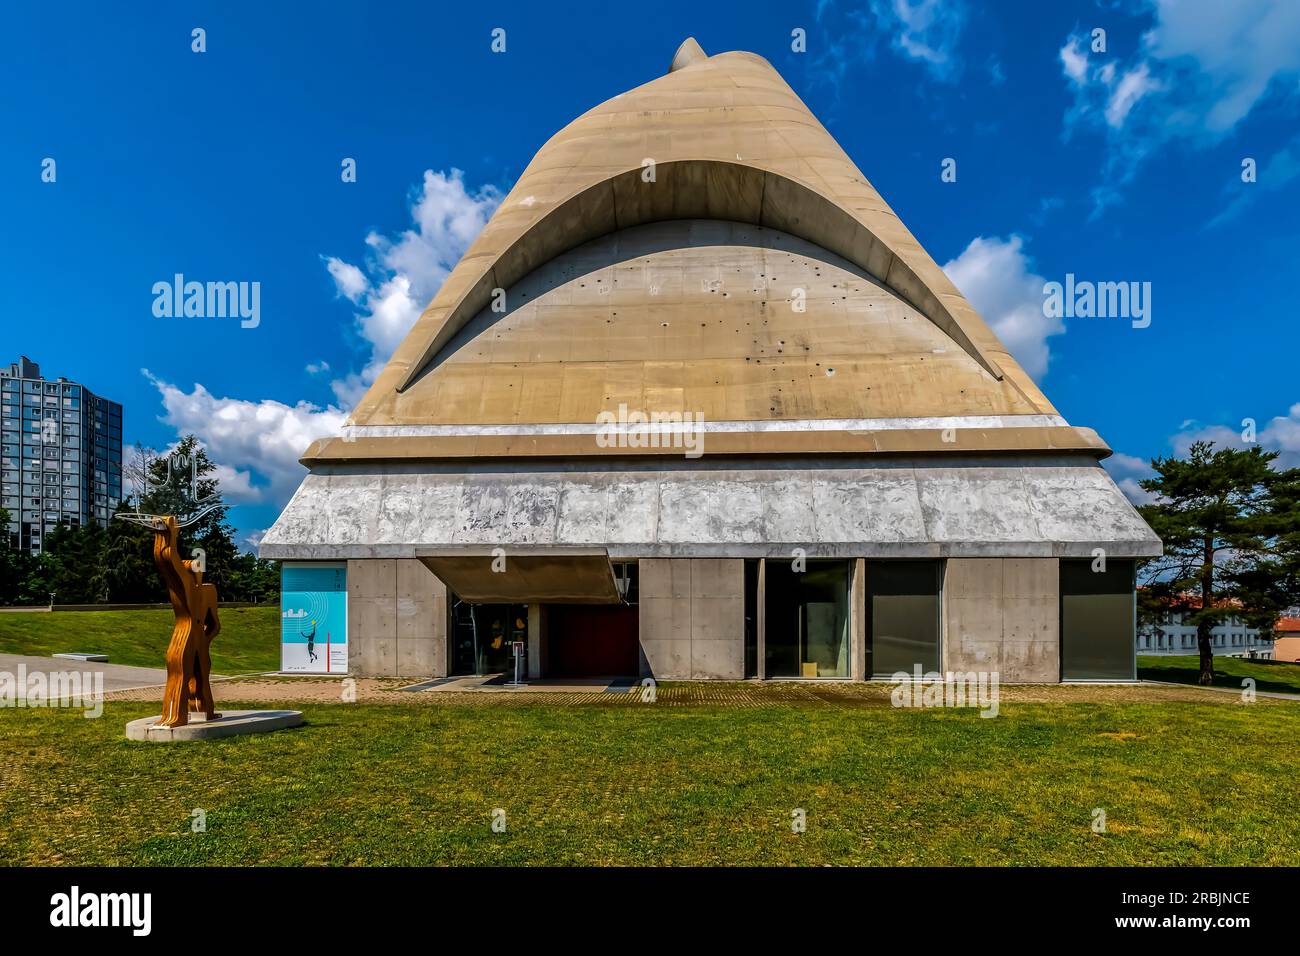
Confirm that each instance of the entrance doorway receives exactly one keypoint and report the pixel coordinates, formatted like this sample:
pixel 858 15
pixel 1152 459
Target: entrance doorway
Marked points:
pixel 591 640
pixel 482 635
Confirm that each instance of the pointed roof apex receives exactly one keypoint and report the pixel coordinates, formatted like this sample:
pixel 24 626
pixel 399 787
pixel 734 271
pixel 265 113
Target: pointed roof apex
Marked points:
pixel 689 52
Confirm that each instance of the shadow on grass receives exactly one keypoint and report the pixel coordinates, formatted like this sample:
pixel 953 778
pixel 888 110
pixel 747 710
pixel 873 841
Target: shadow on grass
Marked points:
pixel 1272 676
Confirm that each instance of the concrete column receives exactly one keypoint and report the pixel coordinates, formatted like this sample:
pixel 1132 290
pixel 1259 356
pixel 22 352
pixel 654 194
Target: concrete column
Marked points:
pixel 1031 620
pixel 421 621
pixel 858 621
pixel 1002 615
pixel 372 618
pixel 717 618
pixel 692 618
pixel 397 620
pixel 536 641
pixel 664 618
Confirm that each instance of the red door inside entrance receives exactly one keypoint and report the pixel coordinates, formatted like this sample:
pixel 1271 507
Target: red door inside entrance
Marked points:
pixel 591 640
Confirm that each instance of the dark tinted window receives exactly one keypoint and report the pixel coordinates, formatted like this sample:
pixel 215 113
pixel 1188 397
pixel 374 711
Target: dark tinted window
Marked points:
pixel 903 616
pixel 1097 621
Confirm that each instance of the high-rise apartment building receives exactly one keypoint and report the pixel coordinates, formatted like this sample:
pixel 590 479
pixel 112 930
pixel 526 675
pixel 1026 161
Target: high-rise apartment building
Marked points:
pixel 62 457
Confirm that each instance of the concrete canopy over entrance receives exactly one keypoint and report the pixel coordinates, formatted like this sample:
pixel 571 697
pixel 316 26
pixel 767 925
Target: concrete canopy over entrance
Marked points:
pixel 554 576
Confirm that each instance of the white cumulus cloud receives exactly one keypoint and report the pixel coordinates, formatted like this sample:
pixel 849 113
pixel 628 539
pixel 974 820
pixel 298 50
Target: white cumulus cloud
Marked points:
pixel 995 276
pixel 402 273
pixel 248 439
pixel 1199 70
pixel 1281 433
pixel 1132 86
pixel 1074 60
pixel 924 30
pixel 256 443
pixel 1237 50
pixel 348 279
pixel 1127 471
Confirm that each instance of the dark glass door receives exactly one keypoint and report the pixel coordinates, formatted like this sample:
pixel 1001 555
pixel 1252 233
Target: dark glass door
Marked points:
pixel 483 634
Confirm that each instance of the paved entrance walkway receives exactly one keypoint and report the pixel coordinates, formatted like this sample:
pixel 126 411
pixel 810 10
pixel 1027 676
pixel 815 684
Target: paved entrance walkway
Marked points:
pixel 116 676
pixel 501 684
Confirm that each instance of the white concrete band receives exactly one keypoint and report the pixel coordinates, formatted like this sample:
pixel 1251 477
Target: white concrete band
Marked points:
pixel 799 425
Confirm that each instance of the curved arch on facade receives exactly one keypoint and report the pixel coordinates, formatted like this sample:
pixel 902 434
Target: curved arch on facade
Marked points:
pixel 698 189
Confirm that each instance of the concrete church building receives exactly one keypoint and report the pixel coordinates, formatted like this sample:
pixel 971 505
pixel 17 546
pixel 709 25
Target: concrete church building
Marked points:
pixel 863 479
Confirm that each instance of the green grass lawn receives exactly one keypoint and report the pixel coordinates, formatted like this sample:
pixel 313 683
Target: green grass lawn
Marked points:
pixel 1228 672
pixel 627 783
pixel 249 640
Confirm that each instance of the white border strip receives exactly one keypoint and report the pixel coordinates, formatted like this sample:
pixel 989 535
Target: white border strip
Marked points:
pixel 801 425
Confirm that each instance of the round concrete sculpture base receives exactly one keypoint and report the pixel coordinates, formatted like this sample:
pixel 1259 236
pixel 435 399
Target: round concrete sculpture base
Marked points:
pixel 227 724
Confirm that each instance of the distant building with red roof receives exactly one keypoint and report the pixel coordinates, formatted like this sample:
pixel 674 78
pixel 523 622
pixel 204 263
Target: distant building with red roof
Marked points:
pixel 1286 645
pixel 1232 637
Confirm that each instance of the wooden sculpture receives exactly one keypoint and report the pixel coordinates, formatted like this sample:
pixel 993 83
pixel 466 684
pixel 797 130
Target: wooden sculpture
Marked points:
pixel 189 665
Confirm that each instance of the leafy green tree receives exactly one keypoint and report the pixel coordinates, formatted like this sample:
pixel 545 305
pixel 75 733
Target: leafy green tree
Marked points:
pixel 1226 518
pixel 254 579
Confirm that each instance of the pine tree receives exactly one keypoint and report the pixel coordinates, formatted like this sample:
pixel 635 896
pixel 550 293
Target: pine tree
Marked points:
pixel 1230 528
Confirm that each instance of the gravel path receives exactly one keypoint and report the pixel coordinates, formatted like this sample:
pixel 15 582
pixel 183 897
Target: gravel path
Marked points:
pixel 273 690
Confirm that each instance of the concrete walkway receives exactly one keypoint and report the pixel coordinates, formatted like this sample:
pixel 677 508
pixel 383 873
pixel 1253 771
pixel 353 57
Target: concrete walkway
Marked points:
pixel 499 683
pixel 116 676
pixel 1275 694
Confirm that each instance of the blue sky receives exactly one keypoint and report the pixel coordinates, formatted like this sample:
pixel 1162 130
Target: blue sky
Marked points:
pixel 1122 165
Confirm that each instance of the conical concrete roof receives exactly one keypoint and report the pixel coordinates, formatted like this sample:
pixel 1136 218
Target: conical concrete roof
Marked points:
pixel 700 244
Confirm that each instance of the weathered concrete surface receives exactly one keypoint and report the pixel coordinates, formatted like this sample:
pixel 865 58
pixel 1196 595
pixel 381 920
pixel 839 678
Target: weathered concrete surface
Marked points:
pixel 727 319
pixel 731 141
pixel 900 508
pixel 230 723
pixel 692 619
pixel 1002 615
pixel 397 620
pixel 421 622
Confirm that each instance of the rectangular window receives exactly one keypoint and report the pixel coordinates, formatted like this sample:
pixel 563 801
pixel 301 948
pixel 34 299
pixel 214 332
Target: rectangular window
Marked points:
pixel 806 619
pixel 902 617
pixel 1097 621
